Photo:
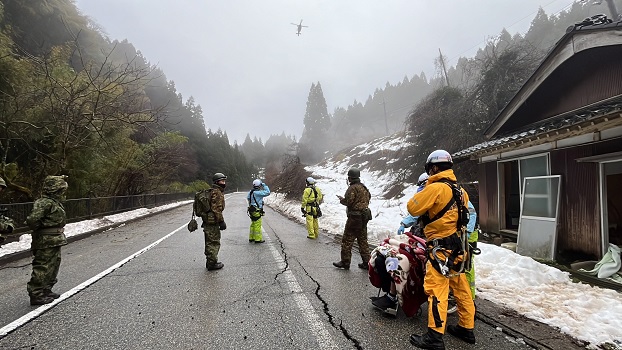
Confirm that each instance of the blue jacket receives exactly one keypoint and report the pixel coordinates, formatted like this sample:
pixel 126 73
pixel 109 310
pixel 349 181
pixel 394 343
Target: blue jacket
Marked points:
pixel 258 195
pixel 411 220
pixel 472 218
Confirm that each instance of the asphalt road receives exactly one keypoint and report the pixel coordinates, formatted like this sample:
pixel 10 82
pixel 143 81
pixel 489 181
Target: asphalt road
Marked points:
pixel 283 294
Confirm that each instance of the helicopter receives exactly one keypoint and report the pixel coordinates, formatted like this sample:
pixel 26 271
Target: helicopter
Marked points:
pixel 300 26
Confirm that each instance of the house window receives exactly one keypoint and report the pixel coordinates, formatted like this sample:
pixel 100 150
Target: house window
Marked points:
pixel 537 234
pixel 511 176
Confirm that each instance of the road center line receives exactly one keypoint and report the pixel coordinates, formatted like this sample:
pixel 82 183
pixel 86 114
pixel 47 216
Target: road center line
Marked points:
pixel 325 341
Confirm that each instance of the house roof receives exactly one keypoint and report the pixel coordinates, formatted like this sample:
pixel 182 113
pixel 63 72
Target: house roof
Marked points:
pixel 548 130
pixel 578 38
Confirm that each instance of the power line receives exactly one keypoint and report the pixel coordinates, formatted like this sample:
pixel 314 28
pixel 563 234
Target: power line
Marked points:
pixel 483 41
pixel 515 23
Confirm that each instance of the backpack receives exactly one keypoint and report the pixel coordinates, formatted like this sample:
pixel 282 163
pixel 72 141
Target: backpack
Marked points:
pixel 463 210
pixel 202 205
pixel 316 204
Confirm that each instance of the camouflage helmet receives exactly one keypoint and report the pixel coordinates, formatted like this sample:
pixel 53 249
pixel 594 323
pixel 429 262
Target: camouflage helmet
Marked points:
pixel 53 184
pixel 218 176
pixel 354 173
pixel 2 183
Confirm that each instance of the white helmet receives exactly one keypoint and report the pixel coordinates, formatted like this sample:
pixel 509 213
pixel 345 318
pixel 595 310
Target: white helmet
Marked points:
pixel 310 180
pixel 256 183
pixel 439 156
pixel 422 178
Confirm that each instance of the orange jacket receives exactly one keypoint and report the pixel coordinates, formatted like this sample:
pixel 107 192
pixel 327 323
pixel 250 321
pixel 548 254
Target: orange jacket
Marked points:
pixel 432 199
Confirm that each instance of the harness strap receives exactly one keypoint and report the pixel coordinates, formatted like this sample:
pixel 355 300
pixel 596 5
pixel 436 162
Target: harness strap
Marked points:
pixel 452 244
pixel 252 209
pixel 314 204
pixel 252 197
pixel 426 219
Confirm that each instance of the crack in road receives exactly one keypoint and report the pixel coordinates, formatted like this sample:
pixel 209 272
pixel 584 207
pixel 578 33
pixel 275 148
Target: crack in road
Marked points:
pixel 325 308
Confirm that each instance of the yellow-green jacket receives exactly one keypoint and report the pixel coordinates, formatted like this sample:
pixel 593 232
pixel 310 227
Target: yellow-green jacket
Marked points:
pixel 309 199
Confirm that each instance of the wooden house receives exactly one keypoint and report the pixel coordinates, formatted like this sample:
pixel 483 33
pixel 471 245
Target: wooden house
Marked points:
pixel 553 156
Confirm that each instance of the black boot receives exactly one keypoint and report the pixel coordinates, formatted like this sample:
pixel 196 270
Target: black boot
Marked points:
pixel 216 266
pixel 462 333
pixel 385 303
pixel 40 299
pixel 342 265
pixel 49 293
pixel 432 340
pixel 363 266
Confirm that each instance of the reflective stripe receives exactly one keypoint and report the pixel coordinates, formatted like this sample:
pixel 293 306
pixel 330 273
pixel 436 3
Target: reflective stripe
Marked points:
pixel 438 321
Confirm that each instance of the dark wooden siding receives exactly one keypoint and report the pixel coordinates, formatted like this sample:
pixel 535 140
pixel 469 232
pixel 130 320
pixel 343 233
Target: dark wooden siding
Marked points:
pixel 488 197
pixel 588 77
pixel 579 218
pixel 584 81
pixel 580 204
pixel 579 228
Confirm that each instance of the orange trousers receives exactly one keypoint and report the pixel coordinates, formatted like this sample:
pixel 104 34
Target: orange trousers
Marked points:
pixel 437 286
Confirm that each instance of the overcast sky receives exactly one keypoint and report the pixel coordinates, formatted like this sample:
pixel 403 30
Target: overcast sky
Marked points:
pixel 244 64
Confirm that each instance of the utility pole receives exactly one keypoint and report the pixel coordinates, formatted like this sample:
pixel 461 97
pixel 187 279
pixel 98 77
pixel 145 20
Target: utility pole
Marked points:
pixel 614 12
pixel 386 125
pixel 443 65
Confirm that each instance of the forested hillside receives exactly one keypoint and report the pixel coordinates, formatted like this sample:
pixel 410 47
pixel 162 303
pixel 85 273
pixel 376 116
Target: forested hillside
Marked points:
pixel 449 111
pixel 74 102
pixel 455 115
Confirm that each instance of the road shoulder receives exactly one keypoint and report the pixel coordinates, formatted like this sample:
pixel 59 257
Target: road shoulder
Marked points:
pixel 533 333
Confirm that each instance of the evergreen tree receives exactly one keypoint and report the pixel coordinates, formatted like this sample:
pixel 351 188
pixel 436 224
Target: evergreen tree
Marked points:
pixel 73 102
pixel 316 124
pixel 317 119
pixel 253 151
pixel 541 29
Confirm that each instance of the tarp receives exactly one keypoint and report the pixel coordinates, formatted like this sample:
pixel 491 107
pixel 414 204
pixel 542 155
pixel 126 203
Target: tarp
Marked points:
pixel 609 266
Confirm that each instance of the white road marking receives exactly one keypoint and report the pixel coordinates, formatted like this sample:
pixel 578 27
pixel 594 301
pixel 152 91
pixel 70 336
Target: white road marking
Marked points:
pixel 43 308
pixel 325 341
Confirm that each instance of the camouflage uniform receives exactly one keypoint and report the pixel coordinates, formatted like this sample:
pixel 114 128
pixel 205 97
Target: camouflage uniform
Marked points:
pixel 211 225
pixel 47 221
pixel 356 199
pixel 6 224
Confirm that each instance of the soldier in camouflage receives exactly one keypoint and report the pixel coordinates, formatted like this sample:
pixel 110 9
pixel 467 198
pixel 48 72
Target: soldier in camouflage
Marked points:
pixel 356 200
pixel 6 224
pixel 214 222
pixel 47 221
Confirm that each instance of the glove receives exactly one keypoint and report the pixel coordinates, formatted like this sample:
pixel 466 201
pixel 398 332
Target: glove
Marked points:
pixel 400 230
pixel 222 225
pixel 304 213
